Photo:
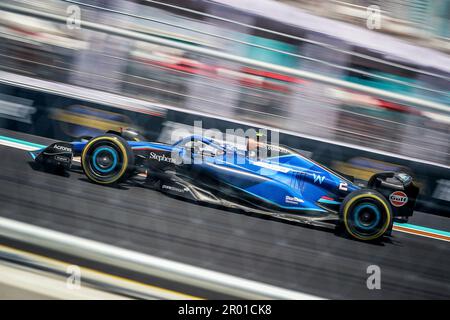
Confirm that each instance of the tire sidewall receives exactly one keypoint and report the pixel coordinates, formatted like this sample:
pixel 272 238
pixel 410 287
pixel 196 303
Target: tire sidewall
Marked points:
pixel 373 195
pixel 125 152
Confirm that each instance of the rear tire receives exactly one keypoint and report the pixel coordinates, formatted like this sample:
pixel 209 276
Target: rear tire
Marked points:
pixel 366 215
pixel 107 159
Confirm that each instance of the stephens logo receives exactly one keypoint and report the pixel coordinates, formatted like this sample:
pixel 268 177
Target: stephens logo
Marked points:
pixel 398 198
pixel 161 157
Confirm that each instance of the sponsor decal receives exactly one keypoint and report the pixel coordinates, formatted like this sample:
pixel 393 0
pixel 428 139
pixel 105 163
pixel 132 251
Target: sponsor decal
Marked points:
pixel 62 159
pixel 293 200
pixel 318 178
pixel 398 198
pixel 343 186
pixel 171 188
pixel 161 157
pixel 62 148
pixel 404 178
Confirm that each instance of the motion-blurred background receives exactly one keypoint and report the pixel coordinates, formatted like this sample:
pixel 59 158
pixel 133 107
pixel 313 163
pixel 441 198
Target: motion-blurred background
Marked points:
pixel 397 46
pixel 362 86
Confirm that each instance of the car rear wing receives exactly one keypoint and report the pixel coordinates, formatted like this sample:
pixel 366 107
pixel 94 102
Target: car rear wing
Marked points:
pixel 399 189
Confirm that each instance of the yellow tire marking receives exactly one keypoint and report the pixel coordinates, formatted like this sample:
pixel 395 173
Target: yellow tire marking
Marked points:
pixel 367 195
pixel 124 153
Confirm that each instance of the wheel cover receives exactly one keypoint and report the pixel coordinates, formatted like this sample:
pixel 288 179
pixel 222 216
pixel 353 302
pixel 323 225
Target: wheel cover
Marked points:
pixel 366 217
pixel 104 160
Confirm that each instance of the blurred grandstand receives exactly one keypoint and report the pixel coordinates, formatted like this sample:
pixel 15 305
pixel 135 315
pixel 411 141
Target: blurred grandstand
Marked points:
pixel 294 34
pixel 425 22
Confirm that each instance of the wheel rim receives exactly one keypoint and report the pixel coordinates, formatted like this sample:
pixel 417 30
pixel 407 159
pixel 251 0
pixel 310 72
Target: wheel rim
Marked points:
pixel 104 159
pixel 366 216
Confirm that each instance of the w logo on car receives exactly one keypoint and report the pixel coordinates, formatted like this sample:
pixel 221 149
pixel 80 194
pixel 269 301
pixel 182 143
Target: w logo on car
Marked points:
pixel 318 178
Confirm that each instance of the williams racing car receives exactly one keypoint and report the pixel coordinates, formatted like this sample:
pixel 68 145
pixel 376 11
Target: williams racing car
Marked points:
pixel 279 182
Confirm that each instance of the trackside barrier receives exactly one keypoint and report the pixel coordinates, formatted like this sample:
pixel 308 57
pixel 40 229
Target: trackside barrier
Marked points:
pixel 424 104
pixel 145 264
pixel 103 283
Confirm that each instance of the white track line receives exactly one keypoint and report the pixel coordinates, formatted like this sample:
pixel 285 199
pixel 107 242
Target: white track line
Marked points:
pixel 17 145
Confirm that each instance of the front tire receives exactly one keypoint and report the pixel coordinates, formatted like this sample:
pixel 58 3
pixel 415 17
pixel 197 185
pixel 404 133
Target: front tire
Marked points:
pixel 107 159
pixel 366 215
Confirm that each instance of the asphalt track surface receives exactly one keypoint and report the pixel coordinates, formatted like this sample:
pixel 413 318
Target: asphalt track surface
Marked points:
pixel 305 259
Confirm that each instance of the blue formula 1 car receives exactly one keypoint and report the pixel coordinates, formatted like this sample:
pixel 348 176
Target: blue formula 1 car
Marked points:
pixel 279 182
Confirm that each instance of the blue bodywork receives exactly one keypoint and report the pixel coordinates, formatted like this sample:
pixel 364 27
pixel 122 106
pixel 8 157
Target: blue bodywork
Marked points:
pixel 288 182
pixel 254 177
